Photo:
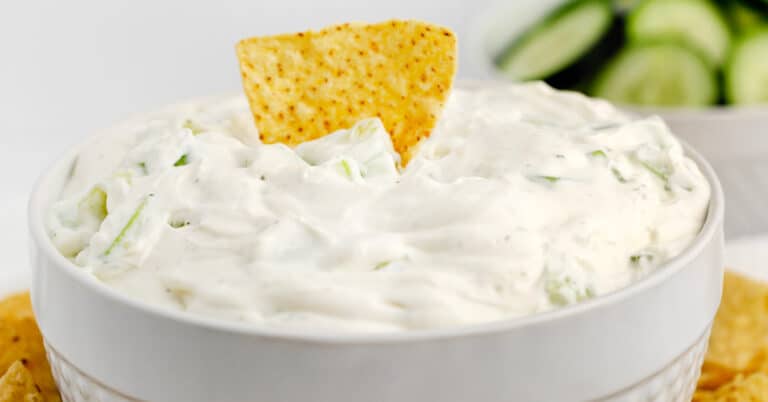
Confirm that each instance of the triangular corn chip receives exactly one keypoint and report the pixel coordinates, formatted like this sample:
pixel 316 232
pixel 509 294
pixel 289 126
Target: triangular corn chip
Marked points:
pixel 17 385
pixel 302 86
pixel 740 331
pixel 20 340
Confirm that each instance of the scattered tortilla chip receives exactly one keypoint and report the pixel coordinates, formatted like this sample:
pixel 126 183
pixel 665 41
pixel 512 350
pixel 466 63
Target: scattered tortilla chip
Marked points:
pixel 741 326
pixel 20 340
pixel 17 385
pixel 713 377
pixel 16 307
pixel 304 85
pixel 752 388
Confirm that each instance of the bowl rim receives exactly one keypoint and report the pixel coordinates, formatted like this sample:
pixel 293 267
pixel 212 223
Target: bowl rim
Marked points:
pixel 481 62
pixel 42 195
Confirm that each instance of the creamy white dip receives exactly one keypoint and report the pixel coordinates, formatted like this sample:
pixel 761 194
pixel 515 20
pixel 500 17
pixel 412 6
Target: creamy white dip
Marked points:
pixel 522 200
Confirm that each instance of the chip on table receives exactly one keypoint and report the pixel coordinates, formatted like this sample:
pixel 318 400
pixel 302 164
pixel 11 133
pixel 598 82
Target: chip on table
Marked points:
pixel 17 385
pixel 751 388
pixel 736 364
pixel 22 343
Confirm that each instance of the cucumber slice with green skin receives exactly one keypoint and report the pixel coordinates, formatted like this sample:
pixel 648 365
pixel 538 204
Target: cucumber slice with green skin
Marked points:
pixel 746 73
pixel 564 47
pixel 658 74
pixel 697 23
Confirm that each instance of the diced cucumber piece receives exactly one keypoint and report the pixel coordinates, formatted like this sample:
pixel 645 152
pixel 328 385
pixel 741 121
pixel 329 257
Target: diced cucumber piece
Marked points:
pixel 598 153
pixel 746 73
pixel 381 265
pixel 697 23
pixel 564 291
pixel 617 174
pixel 551 179
pixel 128 225
pixel 94 203
pixel 564 47
pixel 193 127
pixel 659 172
pixel 658 74
pixel 545 179
pixel 346 168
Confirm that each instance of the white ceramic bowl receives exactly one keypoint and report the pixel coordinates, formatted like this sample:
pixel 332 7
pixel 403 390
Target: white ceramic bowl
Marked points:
pixel 643 343
pixel 733 139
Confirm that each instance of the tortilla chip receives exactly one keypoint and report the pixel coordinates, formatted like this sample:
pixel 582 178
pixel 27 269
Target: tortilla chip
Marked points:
pixel 17 385
pixel 751 388
pixel 20 340
pixel 740 331
pixel 713 377
pixel 304 85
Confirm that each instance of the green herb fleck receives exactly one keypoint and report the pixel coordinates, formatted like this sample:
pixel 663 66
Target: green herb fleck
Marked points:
pixel 618 175
pixel 127 226
pixel 637 259
pixel 381 265
pixel 604 126
pixel 548 179
pixel 143 167
pixel 181 161
pixel 598 153
pixel 178 224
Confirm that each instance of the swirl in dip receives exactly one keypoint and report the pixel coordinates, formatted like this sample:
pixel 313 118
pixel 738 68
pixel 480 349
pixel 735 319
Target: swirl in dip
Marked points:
pixel 522 200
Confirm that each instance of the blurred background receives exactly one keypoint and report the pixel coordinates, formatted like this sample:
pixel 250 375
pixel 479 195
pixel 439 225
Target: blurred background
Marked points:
pixel 70 68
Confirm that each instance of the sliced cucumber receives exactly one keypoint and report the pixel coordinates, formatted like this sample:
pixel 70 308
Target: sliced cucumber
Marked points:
pixel 746 73
pixel 698 23
pixel 759 5
pixel 741 16
pixel 564 46
pixel 624 6
pixel 131 221
pixel 659 74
